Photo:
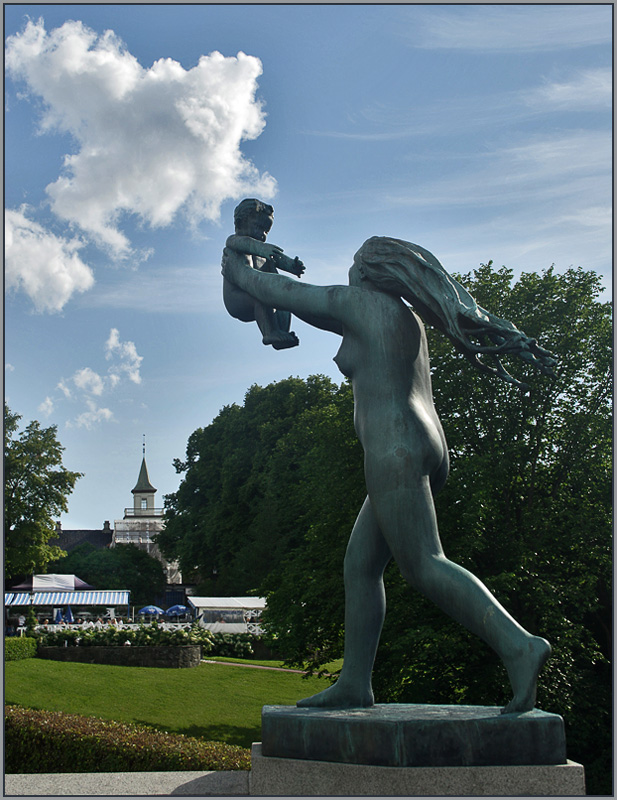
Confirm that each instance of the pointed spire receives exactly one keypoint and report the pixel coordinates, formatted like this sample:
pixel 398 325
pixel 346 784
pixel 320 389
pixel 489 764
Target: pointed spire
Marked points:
pixel 143 482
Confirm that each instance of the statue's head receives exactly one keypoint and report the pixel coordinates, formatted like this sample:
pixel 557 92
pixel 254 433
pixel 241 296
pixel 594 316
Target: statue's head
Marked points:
pixel 382 261
pixel 248 209
pixel 391 265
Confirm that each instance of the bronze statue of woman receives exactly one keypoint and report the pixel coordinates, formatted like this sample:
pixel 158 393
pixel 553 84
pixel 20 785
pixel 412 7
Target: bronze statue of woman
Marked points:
pixel 384 354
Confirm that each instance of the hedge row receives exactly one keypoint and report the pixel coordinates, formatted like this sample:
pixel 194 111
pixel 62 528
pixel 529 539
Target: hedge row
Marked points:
pixel 18 647
pixel 232 645
pixel 145 635
pixel 50 741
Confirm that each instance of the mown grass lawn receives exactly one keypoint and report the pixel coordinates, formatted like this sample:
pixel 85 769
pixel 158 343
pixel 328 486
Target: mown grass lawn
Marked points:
pixel 217 702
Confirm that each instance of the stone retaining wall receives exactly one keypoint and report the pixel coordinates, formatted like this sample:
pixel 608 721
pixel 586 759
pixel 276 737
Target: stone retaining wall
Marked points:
pixel 127 656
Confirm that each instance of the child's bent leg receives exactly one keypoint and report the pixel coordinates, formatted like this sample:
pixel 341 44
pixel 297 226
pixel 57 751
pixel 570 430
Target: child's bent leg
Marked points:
pixel 268 322
pixel 238 303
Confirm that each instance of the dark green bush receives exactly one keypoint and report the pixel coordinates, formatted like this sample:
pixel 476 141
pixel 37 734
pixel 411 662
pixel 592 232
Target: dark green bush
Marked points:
pixel 18 647
pixel 145 635
pixel 49 741
pixel 31 621
pixel 232 645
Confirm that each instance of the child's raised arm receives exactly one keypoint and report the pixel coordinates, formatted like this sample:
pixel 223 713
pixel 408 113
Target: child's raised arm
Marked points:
pixel 249 246
pixel 252 247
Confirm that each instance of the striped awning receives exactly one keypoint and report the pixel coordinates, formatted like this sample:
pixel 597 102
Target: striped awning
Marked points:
pixel 110 597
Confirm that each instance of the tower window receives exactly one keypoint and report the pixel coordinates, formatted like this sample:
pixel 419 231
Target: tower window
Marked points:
pixel 144 502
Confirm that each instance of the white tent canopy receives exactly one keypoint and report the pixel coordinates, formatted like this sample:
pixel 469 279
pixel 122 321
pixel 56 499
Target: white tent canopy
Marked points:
pixel 52 583
pixel 229 614
pixel 200 603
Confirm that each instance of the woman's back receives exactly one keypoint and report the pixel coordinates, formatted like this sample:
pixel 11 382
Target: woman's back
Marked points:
pixel 384 353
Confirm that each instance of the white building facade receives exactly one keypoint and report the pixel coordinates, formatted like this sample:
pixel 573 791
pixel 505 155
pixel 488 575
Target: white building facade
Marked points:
pixel 141 522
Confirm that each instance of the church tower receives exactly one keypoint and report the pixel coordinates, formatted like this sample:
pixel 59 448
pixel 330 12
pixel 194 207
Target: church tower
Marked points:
pixel 143 521
pixel 143 493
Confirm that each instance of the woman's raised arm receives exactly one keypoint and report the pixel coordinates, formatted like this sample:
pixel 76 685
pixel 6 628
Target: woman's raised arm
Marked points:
pixel 303 299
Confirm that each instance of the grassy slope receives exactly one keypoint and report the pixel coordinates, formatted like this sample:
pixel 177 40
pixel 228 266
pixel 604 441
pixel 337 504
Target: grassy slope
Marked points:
pixel 211 701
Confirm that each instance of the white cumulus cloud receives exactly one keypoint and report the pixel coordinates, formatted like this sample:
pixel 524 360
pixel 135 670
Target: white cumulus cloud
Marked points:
pixel 154 142
pixel 47 406
pixel 89 381
pixel 125 357
pixel 88 419
pixel 86 387
pixel 45 266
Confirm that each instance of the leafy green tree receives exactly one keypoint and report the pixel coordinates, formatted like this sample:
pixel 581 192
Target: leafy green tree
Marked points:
pixel 36 489
pixel 236 512
pixel 125 566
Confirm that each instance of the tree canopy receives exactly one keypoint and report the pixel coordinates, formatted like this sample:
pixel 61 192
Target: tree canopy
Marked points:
pixel 125 566
pixel 271 490
pixel 240 508
pixel 36 490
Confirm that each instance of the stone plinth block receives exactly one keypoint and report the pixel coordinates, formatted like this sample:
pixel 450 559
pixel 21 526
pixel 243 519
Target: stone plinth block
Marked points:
pixel 290 777
pixel 405 735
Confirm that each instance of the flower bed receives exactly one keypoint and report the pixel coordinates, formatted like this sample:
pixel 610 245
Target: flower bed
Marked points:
pixel 153 635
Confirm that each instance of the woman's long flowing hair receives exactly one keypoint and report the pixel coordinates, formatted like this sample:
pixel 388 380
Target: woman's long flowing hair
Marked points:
pixel 413 273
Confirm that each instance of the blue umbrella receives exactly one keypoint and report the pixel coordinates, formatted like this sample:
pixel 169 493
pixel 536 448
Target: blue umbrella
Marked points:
pixel 68 617
pixel 176 611
pixel 58 618
pixel 151 610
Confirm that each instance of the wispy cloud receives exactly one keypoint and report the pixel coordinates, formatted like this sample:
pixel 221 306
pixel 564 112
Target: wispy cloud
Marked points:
pixel 87 387
pixel 46 407
pixel 570 165
pixel 155 143
pixel 587 90
pixel 565 174
pixel 578 92
pixel 92 417
pixel 177 290
pixel 45 266
pixel 508 28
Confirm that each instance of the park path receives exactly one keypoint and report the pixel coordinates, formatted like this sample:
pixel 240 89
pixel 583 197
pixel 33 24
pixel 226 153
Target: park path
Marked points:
pixel 251 666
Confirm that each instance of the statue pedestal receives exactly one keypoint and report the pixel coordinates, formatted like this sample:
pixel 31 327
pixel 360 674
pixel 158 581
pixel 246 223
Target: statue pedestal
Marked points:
pixel 412 750
pixel 292 777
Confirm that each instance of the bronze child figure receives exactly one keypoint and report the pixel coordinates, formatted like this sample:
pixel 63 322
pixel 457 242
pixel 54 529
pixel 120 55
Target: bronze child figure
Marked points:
pixel 252 221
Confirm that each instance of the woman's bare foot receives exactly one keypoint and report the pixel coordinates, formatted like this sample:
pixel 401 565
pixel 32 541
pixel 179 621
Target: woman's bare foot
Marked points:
pixel 523 672
pixel 281 340
pixel 337 696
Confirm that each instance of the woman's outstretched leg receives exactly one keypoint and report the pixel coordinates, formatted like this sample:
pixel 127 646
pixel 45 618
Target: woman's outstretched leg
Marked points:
pixel 407 518
pixel 365 607
pixel 461 595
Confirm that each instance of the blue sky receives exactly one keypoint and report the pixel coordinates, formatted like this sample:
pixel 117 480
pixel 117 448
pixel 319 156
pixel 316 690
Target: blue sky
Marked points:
pixel 131 132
